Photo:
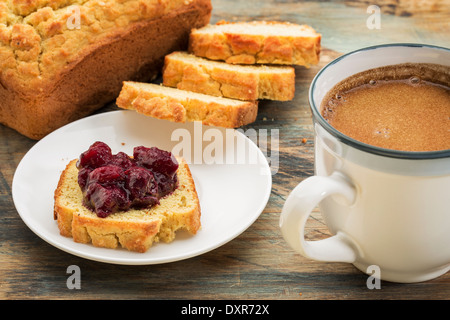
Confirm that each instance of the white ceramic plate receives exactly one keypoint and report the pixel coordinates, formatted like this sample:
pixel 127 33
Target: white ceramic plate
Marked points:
pixel 233 182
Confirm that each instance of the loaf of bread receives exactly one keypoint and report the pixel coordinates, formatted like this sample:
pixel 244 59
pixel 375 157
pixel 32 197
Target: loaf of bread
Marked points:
pixel 177 105
pixel 245 82
pixel 62 59
pixel 265 42
pixel 135 229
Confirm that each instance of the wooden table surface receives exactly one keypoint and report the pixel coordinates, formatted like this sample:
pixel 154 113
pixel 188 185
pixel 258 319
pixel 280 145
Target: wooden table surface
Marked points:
pixel 257 264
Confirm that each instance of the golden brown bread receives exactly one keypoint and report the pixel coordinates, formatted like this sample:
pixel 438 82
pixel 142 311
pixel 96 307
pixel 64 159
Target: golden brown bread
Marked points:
pixel 135 230
pixel 245 82
pixel 265 42
pixel 52 72
pixel 176 105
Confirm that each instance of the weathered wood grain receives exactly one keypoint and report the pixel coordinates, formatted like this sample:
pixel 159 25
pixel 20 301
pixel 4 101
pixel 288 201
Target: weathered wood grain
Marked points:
pixel 258 264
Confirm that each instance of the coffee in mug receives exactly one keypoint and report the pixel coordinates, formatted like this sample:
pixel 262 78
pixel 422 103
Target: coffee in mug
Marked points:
pixel 402 107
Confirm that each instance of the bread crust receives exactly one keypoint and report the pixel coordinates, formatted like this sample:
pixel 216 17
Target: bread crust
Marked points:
pixel 179 210
pixel 134 236
pixel 41 93
pixel 188 72
pixel 241 48
pixel 184 107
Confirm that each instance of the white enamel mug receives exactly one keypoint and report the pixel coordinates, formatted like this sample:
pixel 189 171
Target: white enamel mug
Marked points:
pixel 384 208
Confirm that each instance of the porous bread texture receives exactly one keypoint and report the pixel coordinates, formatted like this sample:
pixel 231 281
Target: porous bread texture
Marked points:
pixel 176 105
pixel 245 82
pixel 52 72
pixel 264 42
pixel 134 230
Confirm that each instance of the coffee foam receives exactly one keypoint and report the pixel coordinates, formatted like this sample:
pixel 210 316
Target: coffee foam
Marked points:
pixel 401 82
pixel 434 73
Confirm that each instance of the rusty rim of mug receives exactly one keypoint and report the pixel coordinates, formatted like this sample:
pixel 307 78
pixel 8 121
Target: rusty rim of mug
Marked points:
pixel 361 145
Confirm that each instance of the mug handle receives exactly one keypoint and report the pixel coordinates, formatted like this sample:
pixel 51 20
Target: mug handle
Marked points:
pixel 298 207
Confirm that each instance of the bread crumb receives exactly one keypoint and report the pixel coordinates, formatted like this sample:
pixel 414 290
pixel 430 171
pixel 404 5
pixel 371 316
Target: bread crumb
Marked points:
pixel 304 140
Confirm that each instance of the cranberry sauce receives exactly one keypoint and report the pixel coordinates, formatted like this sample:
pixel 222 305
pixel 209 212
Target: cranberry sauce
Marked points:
pixel 117 182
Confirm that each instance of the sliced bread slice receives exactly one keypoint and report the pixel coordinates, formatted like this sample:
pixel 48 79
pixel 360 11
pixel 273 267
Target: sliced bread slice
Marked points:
pixel 267 42
pixel 135 230
pixel 244 82
pixel 176 105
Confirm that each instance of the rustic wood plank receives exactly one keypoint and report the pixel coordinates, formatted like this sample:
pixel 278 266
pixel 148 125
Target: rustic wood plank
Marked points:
pixel 258 264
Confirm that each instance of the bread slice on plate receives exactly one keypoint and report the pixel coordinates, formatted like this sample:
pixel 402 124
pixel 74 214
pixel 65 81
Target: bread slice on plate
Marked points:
pixel 244 82
pixel 135 229
pixel 266 42
pixel 176 105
